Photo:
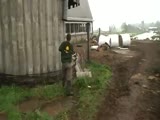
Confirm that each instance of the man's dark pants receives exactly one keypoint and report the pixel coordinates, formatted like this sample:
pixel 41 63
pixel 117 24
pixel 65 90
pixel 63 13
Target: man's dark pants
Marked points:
pixel 67 77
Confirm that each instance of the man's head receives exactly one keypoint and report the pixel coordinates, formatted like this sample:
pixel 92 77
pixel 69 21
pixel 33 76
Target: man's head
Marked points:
pixel 68 37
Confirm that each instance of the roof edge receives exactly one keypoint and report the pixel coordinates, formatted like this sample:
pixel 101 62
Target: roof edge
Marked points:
pixel 78 19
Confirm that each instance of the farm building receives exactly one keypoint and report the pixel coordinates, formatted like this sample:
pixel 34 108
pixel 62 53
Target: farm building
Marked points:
pixel 32 30
pixel 76 19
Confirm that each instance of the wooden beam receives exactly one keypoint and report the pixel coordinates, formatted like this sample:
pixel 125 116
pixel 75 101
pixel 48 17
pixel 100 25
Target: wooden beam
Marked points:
pixel 88 38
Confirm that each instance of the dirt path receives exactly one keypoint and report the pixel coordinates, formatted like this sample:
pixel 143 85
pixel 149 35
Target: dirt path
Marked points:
pixel 134 92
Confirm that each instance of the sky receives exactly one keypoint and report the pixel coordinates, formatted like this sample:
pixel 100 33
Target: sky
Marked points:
pixel 115 12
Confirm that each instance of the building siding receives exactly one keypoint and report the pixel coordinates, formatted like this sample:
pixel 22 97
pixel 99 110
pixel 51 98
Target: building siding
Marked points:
pixel 30 33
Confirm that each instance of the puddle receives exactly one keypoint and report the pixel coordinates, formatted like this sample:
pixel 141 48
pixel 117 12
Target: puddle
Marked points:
pixel 52 107
pixel 30 105
pixel 129 56
pixel 121 51
pixel 58 106
pixel 3 116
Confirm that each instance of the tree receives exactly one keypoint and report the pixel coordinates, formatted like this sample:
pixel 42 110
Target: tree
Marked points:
pixel 142 26
pixel 133 29
pixel 157 24
pixel 124 27
pixel 112 29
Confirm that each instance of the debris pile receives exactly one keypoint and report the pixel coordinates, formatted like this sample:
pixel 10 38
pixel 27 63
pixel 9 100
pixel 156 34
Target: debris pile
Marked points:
pixel 113 40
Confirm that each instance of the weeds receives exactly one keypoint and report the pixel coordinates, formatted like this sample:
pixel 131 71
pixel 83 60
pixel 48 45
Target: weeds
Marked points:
pixel 37 115
pixel 91 90
pixel 62 116
pixel 10 96
pixel 49 91
pixel 154 68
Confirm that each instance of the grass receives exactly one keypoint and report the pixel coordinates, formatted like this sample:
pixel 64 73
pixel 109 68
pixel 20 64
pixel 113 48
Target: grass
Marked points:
pixel 37 115
pixel 48 91
pixel 154 69
pixel 90 97
pixel 62 116
pixel 89 94
pixel 11 96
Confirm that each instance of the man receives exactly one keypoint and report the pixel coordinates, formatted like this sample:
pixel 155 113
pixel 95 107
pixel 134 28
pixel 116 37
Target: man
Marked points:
pixel 66 50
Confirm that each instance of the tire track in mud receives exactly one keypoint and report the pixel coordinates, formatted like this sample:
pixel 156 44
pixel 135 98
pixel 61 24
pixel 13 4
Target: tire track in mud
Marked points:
pixel 120 101
pixel 131 95
pixel 118 87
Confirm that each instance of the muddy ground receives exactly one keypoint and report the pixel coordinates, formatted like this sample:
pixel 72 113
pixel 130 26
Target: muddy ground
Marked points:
pixel 134 92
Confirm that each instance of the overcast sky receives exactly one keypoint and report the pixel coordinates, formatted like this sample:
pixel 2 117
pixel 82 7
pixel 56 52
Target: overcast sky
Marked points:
pixel 109 12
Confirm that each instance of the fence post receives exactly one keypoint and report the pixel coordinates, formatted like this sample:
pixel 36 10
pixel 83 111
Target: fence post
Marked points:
pixel 88 38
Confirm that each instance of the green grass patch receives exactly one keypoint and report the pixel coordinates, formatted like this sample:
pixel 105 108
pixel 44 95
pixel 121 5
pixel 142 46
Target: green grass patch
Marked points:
pixel 153 69
pixel 62 116
pixel 10 96
pixel 37 115
pixel 48 91
pixel 91 90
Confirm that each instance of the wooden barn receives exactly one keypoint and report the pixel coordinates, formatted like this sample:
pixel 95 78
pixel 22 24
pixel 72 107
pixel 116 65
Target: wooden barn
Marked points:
pixel 30 34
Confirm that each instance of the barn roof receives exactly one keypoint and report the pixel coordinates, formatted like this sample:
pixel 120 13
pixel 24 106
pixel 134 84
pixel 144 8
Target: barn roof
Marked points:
pixel 80 13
